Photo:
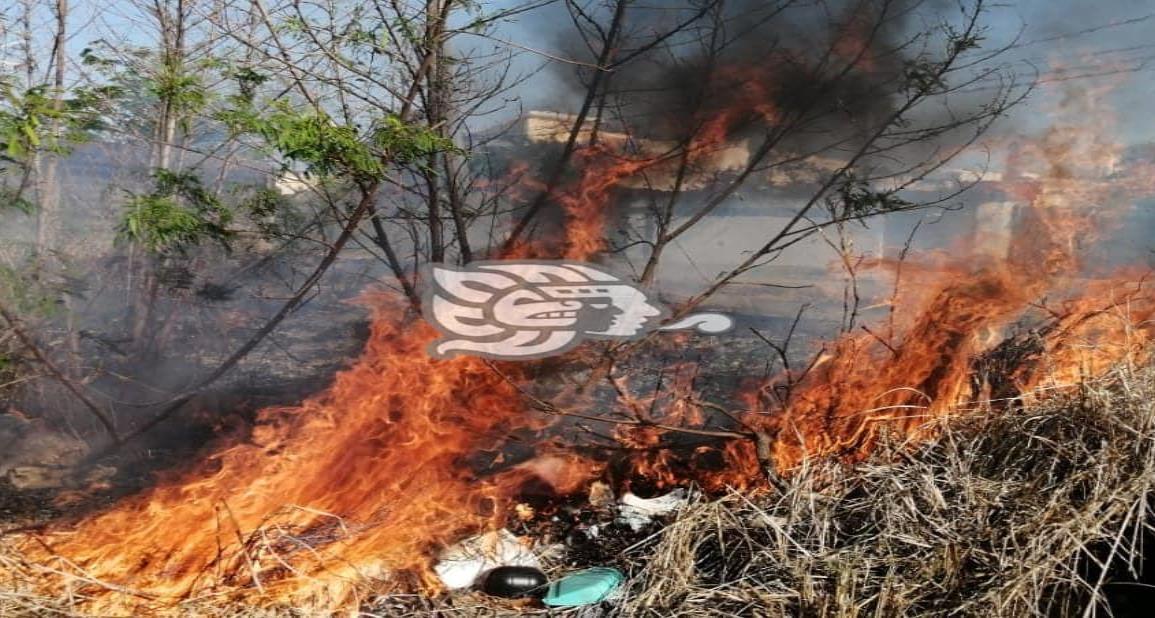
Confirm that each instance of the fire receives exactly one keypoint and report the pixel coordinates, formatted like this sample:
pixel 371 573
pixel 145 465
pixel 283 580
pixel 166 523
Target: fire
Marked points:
pixel 605 167
pixel 585 203
pixel 360 485
pixel 357 485
pixel 870 384
pixel 619 161
pixel 868 388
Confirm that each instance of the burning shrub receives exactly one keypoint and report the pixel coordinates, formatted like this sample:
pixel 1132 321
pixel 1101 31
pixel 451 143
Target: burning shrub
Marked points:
pixel 994 517
pixel 1029 510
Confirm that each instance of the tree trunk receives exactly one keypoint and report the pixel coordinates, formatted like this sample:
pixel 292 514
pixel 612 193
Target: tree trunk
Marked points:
pixel 48 187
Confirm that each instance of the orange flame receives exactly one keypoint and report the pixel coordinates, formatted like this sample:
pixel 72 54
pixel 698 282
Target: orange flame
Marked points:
pixel 403 454
pixel 871 384
pixel 356 485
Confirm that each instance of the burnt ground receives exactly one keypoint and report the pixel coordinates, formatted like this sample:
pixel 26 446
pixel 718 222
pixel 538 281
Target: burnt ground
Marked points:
pixel 572 533
pixel 580 534
pixel 274 377
pixel 57 493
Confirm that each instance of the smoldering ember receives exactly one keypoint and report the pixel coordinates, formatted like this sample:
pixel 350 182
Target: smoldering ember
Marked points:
pixel 577 308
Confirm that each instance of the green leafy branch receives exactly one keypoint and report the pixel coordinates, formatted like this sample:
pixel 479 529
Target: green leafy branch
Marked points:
pixel 328 148
pixel 856 199
pixel 179 213
pixel 31 121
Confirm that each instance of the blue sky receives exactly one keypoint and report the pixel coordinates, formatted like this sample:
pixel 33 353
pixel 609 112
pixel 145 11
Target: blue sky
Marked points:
pixel 1051 34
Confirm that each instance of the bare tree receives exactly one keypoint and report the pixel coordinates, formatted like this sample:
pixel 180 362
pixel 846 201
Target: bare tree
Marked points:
pixel 666 98
pixel 871 104
pixel 49 190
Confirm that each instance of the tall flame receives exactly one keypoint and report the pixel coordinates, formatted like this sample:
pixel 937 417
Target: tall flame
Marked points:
pixel 358 484
pixel 952 312
pixel 404 454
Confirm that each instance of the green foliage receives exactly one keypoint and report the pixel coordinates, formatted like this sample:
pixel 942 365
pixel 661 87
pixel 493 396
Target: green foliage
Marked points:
pixel 326 147
pixel 179 213
pixel 27 119
pixel 138 82
pixel 127 97
pixel 7 365
pixel 159 223
pixel 90 58
pixel 248 80
pixel 182 91
pixel 293 25
pixel 262 204
pixel 33 120
pixel 89 105
pixel 10 365
pixel 410 29
pixel 856 199
pixel 359 36
pixel 405 143
pixel 269 212
pixel 331 149
pixel 20 125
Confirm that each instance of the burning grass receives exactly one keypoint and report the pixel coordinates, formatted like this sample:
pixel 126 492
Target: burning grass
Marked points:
pixel 1008 513
pixel 1002 513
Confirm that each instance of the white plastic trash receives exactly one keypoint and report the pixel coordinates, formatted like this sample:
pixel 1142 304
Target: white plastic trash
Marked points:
pixel 637 512
pixel 459 566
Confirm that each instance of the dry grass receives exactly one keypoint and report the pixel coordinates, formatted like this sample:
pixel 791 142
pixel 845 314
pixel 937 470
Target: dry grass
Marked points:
pixel 1004 514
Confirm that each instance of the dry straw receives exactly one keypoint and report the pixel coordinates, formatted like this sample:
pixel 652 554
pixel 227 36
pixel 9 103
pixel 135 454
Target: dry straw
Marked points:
pixel 1004 513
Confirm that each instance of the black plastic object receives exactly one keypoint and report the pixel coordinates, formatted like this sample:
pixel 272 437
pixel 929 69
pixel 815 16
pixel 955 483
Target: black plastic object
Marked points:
pixel 513 582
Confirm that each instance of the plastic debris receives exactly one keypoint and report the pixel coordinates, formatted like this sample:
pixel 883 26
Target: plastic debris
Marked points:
pixel 584 587
pixel 514 582
pixel 637 512
pixel 461 565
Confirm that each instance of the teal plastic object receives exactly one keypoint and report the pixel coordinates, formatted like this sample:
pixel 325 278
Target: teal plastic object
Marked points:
pixel 584 587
